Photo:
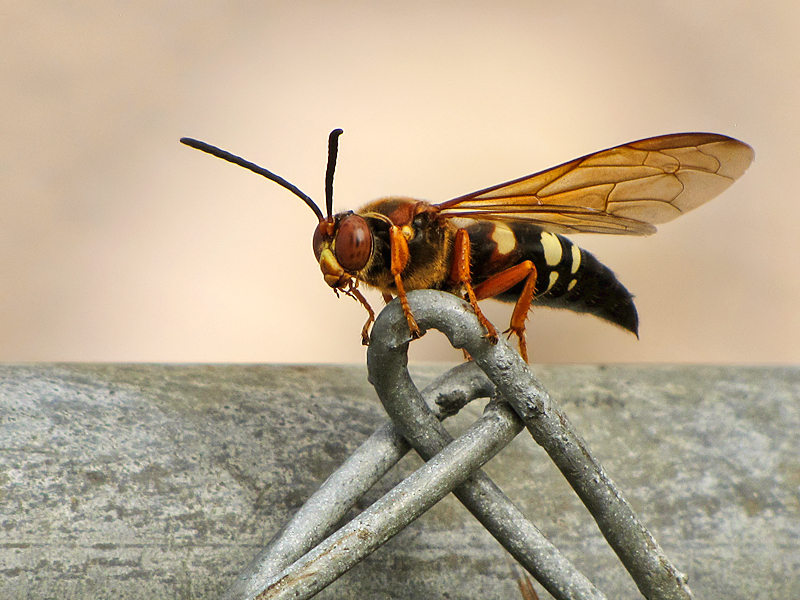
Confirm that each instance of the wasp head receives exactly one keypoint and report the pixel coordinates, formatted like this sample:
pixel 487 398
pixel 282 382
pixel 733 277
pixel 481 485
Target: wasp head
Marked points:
pixel 342 245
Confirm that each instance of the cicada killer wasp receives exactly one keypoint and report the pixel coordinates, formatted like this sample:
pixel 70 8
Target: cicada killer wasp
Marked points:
pixel 505 242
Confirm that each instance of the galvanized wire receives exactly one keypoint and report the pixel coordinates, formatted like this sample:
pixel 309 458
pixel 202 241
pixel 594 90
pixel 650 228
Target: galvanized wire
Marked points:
pixel 273 568
pixel 298 562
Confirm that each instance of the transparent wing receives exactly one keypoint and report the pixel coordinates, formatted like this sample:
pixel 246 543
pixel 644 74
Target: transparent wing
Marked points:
pixel 623 190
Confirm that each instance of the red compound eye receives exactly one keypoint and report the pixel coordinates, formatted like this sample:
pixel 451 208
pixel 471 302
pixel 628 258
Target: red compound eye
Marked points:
pixel 353 244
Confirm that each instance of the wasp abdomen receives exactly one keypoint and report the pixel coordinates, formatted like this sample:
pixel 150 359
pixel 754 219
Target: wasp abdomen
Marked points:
pixel 567 276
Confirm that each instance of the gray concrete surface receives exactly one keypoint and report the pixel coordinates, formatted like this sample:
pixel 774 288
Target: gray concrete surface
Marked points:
pixel 150 481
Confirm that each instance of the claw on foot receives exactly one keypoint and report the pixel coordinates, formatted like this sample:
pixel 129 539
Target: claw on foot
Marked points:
pixel 523 343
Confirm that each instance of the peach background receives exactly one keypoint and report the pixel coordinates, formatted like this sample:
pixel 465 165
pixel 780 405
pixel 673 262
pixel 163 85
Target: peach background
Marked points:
pixel 119 244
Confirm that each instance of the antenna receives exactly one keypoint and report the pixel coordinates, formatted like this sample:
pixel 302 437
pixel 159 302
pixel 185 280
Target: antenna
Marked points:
pixel 333 152
pixel 237 160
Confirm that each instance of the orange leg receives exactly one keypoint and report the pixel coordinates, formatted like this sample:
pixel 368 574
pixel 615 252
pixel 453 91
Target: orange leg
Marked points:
pixel 460 274
pixel 353 292
pixel 400 256
pixel 502 282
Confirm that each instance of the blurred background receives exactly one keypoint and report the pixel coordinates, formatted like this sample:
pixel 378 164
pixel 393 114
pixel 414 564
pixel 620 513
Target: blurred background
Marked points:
pixel 117 243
